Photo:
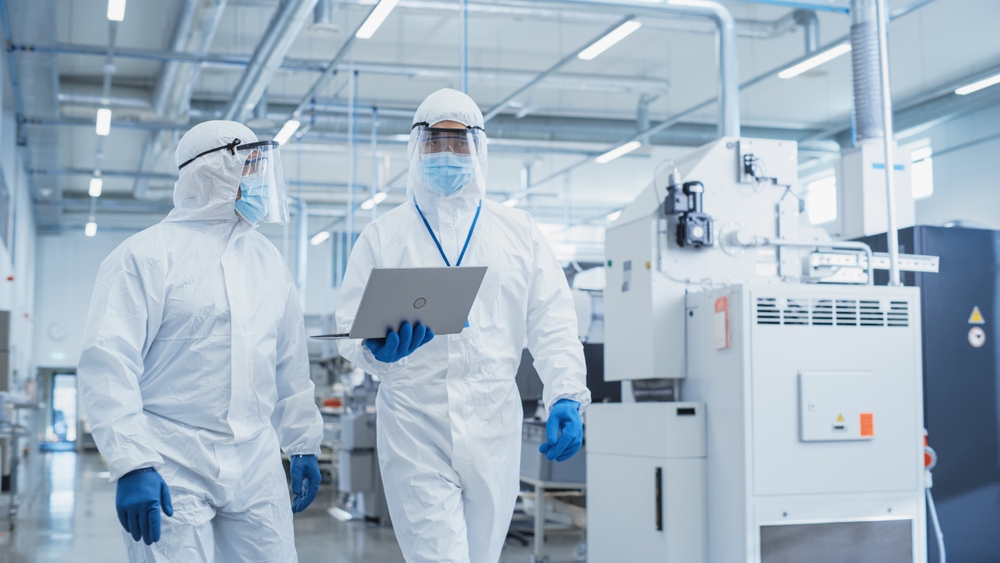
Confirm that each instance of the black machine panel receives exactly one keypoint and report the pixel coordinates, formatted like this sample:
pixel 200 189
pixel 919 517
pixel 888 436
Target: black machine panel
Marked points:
pixel 961 381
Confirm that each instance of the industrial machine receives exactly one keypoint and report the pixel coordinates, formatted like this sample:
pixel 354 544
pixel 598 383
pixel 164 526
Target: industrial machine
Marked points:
pixel 808 376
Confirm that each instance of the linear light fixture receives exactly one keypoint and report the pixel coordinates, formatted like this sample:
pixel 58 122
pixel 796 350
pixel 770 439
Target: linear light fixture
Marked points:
pixel 375 19
pixel 816 60
pixel 287 130
pixel 371 202
pixel 605 43
pixel 96 187
pixel 116 10
pixel 617 151
pixel 91 228
pixel 319 238
pixel 104 121
pixel 512 202
pixel 613 216
pixel 979 85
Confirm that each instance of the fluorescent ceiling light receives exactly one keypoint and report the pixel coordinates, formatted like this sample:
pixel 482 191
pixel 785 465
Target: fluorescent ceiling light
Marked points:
pixel 371 202
pixel 977 86
pixel 287 130
pixel 319 238
pixel 96 186
pixel 816 60
pixel 605 43
pixel 617 151
pixel 116 10
pixel 91 228
pixel 103 121
pixel 614 215
pixel 512 202
pixel 375 19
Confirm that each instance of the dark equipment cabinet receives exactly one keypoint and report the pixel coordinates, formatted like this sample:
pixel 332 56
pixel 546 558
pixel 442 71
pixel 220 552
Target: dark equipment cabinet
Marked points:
pixel 961 383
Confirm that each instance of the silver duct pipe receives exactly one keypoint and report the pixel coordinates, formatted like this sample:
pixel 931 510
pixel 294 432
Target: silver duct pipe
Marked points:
pixel 323 13
pixel 196 26
pixel 642 119
pixel 868 118
pixel 281 32
pixel 729 76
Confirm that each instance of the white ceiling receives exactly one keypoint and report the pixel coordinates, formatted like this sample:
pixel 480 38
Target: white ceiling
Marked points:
pixel 937 44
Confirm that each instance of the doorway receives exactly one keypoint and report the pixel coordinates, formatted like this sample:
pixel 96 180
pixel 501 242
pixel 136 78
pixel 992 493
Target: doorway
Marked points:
pixel 62 422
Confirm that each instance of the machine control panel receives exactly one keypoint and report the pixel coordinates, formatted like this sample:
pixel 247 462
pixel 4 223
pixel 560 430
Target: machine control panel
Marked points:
pixel 836 406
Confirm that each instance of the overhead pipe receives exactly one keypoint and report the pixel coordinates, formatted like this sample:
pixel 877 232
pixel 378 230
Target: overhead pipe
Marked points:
pixel 729 78
pixel 882 20
pixel 809 23
pixel 502 105
pixel 195 29
pixel 281 32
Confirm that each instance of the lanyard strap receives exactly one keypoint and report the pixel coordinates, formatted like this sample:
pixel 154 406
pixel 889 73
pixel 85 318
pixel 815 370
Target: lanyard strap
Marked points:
pixel 467 238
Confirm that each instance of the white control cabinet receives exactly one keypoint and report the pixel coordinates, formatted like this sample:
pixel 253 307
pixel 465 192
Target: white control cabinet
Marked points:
pixel 814 418
pixel 646 482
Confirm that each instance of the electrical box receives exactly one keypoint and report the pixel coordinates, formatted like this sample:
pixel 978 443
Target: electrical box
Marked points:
pixel 862 209
pixel 836 406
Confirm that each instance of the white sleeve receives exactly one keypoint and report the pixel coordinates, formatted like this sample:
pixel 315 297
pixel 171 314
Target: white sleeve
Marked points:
pixel 364 257
pixel 125 314
pixel 296 418
pixel 552 329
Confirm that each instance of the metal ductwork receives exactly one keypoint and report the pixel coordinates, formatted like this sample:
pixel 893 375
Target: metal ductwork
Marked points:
pixel 809 23
pixel 39 90
pixel 281 32
pixel 868 116
pixel 195 29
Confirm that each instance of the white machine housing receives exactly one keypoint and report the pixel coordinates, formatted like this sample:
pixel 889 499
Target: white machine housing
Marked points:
pixel 814 416
pixel 648 274
pixel 861 199
pixel 657 504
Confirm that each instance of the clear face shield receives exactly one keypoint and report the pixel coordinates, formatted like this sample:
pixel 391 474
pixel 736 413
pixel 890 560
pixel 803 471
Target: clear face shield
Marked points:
pixel 262 196
pixel 450 159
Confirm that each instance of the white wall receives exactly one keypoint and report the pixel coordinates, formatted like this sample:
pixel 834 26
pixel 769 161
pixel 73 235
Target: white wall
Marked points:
pixel 17 276
pixel 66 272
pixel 966 181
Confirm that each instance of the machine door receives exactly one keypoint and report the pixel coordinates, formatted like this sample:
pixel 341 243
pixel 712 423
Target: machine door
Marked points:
pixel 645 509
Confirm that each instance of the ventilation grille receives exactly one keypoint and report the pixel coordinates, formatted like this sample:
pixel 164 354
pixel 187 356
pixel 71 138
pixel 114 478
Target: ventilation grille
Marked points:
pixel 831 312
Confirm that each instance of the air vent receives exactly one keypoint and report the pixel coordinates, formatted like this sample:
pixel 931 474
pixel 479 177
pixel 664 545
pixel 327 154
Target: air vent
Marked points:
pixel 796 312
pixel 899 313
pixel 831 312
pixel 767 311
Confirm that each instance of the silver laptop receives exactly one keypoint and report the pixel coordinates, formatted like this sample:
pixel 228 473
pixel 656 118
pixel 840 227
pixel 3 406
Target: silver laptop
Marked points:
pixel 438 298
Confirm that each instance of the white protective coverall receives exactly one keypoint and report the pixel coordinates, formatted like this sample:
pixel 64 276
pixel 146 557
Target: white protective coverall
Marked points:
pixel 194 362
pixel 449 415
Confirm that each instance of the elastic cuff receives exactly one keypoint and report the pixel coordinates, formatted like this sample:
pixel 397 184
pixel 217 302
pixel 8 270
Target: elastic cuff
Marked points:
pixel 138 471
pixel 303 455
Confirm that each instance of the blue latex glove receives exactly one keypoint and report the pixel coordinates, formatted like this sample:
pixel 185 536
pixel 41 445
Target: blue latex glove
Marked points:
pixel 304 467
pixel 564 431
pixel 141 495
pixel 396 346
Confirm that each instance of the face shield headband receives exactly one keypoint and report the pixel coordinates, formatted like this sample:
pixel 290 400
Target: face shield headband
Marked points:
pixel 263 196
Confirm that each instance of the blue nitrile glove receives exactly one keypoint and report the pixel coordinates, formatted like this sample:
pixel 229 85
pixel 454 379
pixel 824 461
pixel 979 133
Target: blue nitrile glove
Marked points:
pixel 141 495
pixel 396 346
pixel 304 467
pixel 564 431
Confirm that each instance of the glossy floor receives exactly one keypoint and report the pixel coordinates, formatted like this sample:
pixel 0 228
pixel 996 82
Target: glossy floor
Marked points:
pixel 70 517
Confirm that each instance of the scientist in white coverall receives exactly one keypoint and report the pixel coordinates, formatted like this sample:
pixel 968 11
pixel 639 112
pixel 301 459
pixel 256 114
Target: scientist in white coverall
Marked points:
pixel 194 369
pixel 449 412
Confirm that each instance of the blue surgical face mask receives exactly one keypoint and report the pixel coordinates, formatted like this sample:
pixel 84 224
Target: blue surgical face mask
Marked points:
pixel 447 172
pixel 252 205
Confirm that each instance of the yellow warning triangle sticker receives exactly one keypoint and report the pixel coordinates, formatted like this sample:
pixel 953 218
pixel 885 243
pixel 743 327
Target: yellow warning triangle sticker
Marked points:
pixel 976 318
pixel 840 418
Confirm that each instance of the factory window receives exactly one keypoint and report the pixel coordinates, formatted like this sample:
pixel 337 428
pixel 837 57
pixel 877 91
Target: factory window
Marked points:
pixel 821 200
pixel 922 173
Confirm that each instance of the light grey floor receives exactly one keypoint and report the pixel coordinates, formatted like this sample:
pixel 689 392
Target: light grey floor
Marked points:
pixel 70 517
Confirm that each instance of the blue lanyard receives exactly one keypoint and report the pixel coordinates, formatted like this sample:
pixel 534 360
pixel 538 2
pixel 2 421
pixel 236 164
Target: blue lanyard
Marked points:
pixel 467 238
